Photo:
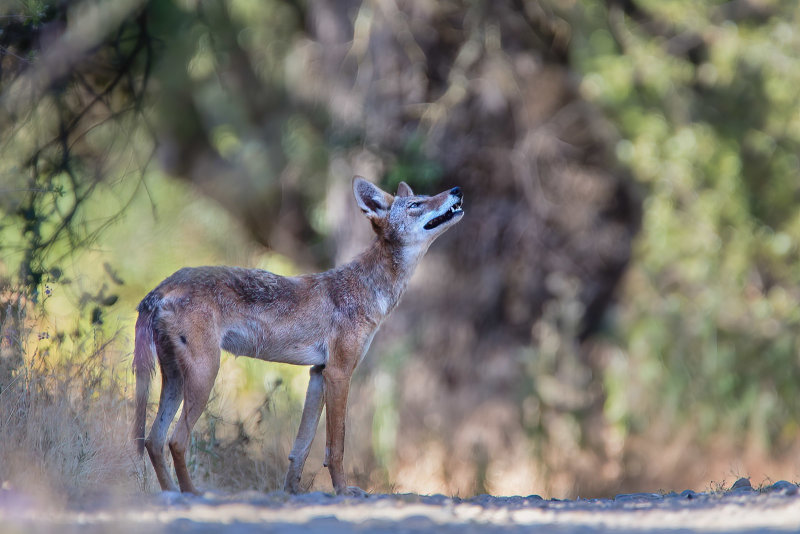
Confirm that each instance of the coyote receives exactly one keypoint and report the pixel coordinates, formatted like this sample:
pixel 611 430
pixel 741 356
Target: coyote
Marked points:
pixel 324 320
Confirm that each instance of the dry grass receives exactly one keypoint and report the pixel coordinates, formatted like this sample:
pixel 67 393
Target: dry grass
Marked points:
pixel 244 452
pixel 63 423
pixel 66 438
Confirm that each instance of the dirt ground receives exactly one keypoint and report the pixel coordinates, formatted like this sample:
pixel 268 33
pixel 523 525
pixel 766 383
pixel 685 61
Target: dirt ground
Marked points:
pixel 742 509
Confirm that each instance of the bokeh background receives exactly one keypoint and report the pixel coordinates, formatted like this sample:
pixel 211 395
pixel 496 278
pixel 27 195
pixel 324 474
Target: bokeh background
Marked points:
pixel 617 311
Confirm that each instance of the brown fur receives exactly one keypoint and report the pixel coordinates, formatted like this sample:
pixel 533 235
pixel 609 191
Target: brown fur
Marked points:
pixel 325 320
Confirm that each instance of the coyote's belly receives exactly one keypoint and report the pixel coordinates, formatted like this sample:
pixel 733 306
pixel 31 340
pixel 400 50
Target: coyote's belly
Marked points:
pixel 272 345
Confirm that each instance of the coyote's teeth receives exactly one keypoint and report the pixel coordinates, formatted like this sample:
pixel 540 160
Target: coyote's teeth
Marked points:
pixel 451 212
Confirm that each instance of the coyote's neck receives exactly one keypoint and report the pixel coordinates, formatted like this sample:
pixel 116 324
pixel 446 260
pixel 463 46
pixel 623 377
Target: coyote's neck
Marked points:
pixel 385 270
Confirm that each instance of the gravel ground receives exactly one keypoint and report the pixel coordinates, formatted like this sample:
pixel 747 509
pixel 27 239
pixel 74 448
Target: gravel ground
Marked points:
pixel 742 509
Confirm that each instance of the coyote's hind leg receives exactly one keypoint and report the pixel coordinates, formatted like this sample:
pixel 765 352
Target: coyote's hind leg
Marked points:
pixel 200 356
pixel 168 404
pixel 312 409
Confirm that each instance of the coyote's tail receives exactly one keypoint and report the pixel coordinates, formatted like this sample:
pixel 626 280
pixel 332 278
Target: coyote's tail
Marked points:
pixel 144 365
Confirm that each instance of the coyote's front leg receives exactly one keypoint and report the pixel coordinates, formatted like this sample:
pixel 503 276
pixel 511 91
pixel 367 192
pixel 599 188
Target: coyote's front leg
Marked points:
pixel 312 409
pixel 337 386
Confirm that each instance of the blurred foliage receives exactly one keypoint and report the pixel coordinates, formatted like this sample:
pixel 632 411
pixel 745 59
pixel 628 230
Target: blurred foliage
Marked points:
pixel 63 127
pixel 61 395
pixel 705 96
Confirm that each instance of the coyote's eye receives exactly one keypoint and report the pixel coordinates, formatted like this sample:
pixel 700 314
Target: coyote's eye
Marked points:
pixel 414 205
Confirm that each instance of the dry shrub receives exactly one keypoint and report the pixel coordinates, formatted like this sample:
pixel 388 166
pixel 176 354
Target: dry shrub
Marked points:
pixel 245 452
pixel 63 416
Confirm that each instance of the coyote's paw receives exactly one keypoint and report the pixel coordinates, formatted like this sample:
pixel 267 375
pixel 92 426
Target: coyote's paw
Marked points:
pixel 355 491
pixel 292 487
pixel 292 483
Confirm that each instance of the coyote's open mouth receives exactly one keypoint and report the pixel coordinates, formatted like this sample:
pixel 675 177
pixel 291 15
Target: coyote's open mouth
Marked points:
pixel 454 210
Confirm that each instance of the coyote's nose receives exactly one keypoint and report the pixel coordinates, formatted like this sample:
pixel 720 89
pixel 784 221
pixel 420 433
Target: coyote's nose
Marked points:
pixel 457 192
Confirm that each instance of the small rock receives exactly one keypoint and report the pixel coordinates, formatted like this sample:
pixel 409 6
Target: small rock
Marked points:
pixel 743 484
pixel 688 494
pixel 437 499
pixel 783 487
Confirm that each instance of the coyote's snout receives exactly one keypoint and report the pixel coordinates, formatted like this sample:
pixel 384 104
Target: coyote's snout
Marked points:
pixel 324 320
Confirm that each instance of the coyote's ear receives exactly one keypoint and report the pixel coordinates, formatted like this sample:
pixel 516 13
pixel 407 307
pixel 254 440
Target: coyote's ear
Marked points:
pixel 373 201
pixel 404 190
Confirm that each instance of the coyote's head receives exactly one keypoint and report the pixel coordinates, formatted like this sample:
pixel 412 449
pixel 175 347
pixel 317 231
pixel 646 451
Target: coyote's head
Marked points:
pixel 406 218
